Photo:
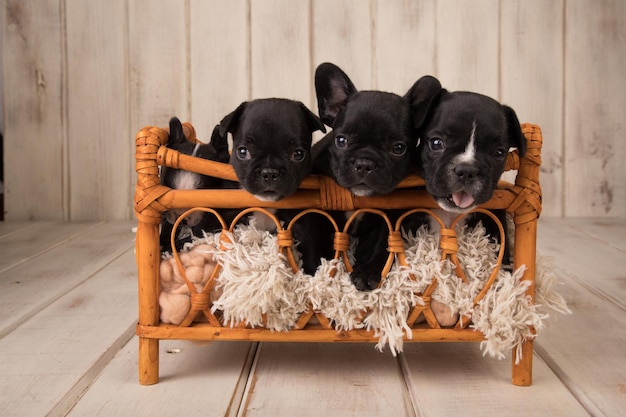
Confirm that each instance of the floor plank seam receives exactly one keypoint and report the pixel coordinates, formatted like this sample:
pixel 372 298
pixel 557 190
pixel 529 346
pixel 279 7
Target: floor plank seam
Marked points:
pixel 237 400
pixel 250 382
pixel 592 235
pixel 9 328
pixel 413 408
pixel 50 247
pixel 20 230
pixel 567 382
pixel 64 406
pixel 589 287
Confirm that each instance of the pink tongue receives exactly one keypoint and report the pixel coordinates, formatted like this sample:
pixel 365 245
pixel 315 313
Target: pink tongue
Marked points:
pixel 462 199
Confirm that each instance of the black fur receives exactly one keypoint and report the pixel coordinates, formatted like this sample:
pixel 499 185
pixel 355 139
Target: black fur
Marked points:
pixel 271 156
pixel 369 151
pixel 271 145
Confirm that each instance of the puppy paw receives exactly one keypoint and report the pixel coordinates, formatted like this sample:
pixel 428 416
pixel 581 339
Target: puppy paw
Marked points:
pixel 365 279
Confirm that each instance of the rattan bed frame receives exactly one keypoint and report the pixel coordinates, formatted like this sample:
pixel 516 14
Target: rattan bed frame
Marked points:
pixel 522 199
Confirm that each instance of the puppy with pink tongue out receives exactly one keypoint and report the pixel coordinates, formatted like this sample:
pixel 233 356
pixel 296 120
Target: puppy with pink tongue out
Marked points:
pixel 463 144
pixel 464 139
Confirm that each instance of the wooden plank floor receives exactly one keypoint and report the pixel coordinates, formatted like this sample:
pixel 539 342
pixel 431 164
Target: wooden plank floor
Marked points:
pixel 68 309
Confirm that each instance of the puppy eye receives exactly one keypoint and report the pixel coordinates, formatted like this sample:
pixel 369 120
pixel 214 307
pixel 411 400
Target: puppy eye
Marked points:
pixel 436 144
pixel 243 153
pixel 298 155
pixel 500 153
pixel 398 148
pixel 341 142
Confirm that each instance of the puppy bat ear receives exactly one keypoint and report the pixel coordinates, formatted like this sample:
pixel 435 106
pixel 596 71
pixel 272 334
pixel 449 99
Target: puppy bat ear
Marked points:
pixel 230 121
pixel 516 137
pixel 422 97
pixel 176 132
pixel 332 88
pixel 313 122
pixel 219 143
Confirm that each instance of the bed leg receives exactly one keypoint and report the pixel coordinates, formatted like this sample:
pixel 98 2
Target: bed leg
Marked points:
pixel 523 370
pixel 148 361
pixel 148 259
pixel 526 215
pixel 525 254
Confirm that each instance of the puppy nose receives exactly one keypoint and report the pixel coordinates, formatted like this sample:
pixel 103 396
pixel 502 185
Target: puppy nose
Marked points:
pixel 270 174
pixel 363 166
pixel 466 172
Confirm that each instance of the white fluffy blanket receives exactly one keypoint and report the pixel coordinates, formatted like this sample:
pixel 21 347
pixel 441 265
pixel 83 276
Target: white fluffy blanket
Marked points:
pixel 258 288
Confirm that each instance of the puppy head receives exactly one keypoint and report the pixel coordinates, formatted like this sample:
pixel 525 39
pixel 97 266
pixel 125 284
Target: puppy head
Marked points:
pixel 215 150
pixel 271 145
pixel 369 149
pixel 463 147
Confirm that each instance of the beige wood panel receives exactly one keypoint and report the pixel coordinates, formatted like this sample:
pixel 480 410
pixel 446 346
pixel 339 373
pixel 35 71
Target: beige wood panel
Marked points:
pixel 609 231
pixel 57 253
pixel 8 228
pixel 220 60
pixel 531 70
pixel 51 358
pixel 280 60
pixel 595 58
pixel 100 145
pixel 196 380
pixel 342 34
pixel 467 45
pixel 586 349
pixel 28 243
pixel 34 137
pixel 404 43
pixel 323 379
pixel 596 265
pixel 158 62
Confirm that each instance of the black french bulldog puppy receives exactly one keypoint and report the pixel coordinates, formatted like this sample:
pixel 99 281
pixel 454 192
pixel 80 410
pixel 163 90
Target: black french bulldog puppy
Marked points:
pixel 271 145
pixel 369 151
pixel 271 156
pixel 195 223
pixel 463 145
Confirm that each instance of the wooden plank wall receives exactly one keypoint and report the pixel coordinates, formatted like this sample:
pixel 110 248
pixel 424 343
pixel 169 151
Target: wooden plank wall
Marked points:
pixel 80 78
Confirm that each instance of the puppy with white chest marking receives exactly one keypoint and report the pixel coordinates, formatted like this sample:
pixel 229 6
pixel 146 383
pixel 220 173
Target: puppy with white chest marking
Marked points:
pixel 369 152
pixel 463 144
pixel 195 223
pixel 271 156
pixel 464 139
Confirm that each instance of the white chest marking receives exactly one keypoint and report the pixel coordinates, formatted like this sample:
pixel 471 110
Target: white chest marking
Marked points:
pixel 186 180
pixel 469 155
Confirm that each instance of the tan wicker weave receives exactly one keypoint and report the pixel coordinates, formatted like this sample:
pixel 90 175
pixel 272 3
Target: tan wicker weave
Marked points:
pixel 317 193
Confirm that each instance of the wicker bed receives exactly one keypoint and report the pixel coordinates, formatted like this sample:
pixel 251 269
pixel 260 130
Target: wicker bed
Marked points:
pixel 319 194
